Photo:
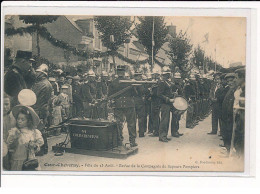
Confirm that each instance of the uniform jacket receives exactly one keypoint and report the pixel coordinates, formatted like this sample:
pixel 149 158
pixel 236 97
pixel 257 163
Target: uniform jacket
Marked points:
pixel 139 97
pixel 164 91
pixel 124 100
pixel 190 91
pixel 76 93
pixel 89 92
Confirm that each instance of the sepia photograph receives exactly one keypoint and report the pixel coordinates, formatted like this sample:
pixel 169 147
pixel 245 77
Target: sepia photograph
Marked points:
pixel 120 93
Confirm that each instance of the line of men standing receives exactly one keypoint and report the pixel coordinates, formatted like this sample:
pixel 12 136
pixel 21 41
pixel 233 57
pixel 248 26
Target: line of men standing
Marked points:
pixel 228 109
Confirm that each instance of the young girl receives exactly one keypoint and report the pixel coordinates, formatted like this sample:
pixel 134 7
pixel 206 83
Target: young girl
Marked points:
pixel 24 140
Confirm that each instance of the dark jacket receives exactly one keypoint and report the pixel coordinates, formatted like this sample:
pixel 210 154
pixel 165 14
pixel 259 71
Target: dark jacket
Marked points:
pixel 89 92
pixel 42 88
pixel 227 106
pixel 164 91
pixel 124 100
pixel 190 91
pixel 76 93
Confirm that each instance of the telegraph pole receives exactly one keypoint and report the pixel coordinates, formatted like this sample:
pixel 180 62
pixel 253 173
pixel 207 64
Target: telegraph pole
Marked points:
pixel 152 43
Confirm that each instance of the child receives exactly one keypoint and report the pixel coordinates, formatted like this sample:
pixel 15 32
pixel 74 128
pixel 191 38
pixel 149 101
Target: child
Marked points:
pixel 9 122
pixel 57 114
pixel 51 106
pixel 64 98
pixel 24 140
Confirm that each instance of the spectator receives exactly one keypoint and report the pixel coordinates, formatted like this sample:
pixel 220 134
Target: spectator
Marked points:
pixel 24 140
pixel 9 122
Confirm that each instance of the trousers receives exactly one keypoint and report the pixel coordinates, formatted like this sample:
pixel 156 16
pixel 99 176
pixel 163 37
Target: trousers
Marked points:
pixel 140 115
pixel 215 116
pixel 155 117
pixel 165 119
pixel 120 115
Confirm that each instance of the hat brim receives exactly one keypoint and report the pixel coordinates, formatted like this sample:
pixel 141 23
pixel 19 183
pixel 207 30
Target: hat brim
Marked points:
pixel 35 117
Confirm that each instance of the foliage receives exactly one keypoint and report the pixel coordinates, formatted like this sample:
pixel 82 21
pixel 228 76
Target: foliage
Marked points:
pixel 198 57
pixel 144 33
pixel 117 26
pixel 180 51
pixel 37 19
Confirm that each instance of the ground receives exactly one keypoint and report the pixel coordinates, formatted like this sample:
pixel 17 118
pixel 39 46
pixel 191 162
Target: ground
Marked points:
pixel 194 151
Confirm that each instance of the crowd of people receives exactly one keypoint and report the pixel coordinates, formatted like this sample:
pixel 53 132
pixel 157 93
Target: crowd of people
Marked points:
pixel 147 102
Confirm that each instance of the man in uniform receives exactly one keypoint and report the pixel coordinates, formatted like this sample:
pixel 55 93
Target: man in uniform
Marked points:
pixel 89 92
pixel 166 95
pixel 140 104
pixel 77 97
pixel 104 91
pixel 124 107
pixel 155 106
pixel 227 111
pixel 177 88
pixel 190 95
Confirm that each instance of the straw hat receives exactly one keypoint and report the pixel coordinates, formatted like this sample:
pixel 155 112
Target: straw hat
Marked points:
pixel 30 111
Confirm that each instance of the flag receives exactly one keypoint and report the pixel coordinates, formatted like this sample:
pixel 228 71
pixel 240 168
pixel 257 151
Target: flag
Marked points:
pixel 206 38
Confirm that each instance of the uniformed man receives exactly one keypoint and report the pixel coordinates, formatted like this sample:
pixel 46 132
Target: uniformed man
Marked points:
pixel 139 100
pixel 227 111
pixel 166 95
pixel 104 90
pixel 148 106
pixel 155 106
pixel 177 88
pixel 124 107
pixel 190 95
pixel 77 97
pixel 89 92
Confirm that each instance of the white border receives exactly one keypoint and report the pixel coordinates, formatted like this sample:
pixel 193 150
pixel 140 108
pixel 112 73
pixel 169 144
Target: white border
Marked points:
pixel 151 8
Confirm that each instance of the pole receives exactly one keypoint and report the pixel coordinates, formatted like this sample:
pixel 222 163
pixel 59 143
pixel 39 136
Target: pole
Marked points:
pixel 215 58
pixel 152 42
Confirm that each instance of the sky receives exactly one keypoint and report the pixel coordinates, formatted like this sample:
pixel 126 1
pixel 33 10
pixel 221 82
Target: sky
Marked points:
pixel 226 34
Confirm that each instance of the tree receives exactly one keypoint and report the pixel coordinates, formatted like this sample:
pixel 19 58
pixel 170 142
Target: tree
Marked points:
pixel 37 20
pixel 198 57
pixel 180 51
pixel 114 31
pixel 144 33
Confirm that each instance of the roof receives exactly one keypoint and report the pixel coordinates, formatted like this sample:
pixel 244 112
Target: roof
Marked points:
pixel 73 23
pixel 139 46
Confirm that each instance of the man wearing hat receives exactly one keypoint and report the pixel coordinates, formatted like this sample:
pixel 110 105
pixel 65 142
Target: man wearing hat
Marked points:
pixel 155 106
pixel 124 107
pixel 43 89
pixel 215 95
pixel 140 104
pixel 77 97
pixel 166 95
pixel 89 92
pixel 19 75
pixel 227 111
pixel 177 88
pixel 190 95
pixel 104 91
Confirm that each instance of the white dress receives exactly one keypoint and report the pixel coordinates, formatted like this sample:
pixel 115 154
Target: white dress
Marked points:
pixel 18 141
